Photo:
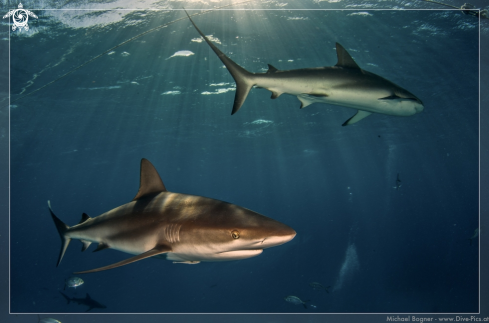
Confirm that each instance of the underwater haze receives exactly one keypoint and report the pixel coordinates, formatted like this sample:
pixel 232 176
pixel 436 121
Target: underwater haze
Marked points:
pixel 381 247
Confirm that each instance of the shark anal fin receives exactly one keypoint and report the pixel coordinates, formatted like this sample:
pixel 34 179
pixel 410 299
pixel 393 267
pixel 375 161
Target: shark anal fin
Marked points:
pixel 150 253
pixel 86 244
pixel 150 181
pixel 344 58
pixel 271 69
pixel 305 100
pixel 357 117
pixel 101 246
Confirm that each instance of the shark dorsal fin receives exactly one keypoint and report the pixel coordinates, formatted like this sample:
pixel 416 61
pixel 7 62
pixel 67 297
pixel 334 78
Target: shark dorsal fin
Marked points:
pixel 150 182
pixel 271 69
pixel 84 218
pixel 344 59
pixel 88 296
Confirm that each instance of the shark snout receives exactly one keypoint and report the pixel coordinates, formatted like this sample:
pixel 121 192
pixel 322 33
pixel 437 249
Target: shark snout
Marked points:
pixel 279 237
pixel 419 107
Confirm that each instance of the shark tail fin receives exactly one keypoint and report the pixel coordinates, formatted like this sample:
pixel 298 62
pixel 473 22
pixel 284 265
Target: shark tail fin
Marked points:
pixel 244 79
pixel 62 228
pixel 243 87
pixel 66 297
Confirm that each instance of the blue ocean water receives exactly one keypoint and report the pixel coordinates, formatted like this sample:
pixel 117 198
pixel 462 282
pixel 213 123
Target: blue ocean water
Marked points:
pixel 79 141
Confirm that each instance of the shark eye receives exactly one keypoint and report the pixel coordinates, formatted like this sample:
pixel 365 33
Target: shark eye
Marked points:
pixel 235 234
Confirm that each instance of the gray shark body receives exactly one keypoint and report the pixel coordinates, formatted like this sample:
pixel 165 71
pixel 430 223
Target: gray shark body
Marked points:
pixel 87 301
pixel 344 84
pixel 184 228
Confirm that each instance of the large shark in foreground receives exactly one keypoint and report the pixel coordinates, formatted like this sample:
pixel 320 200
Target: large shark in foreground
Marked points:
pixel 344 84
pixel 186 228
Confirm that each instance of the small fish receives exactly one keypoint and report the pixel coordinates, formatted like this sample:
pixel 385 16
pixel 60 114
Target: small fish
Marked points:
pixel 475 235
pixel 318 286
pixel 47 320
pixel 73 282
pixel 295 300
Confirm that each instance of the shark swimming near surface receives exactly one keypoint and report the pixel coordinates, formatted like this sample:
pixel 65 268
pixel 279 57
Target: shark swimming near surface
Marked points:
pixel 184 228
pixel 344 84
pixel 87 301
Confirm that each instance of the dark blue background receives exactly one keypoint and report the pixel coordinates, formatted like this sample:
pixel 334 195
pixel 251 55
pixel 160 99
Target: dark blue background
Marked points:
pixel 79 142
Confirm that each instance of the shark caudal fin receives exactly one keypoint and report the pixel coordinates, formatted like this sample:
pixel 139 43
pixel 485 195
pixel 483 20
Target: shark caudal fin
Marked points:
pixel 62 228
pixel 66 297
pixel 243 78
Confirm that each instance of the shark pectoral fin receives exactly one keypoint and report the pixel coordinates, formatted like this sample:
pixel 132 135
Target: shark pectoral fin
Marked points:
pixel 150 181
pixel 86 244
pixel 344 59
pixel 305 101
pixel 101 246
pixel 189 262
pixel 357 117
pixel 150 253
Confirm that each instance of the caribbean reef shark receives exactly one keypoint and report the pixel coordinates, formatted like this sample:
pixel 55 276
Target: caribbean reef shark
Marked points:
pixel 87 301
pixel 186 228
pixel 344 84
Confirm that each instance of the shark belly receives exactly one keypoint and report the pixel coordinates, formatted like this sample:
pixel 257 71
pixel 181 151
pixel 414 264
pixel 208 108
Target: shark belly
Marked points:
pixel 192 255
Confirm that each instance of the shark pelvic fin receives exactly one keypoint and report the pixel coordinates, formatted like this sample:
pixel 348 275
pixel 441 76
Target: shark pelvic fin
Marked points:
pixel 243 78
pixel 344 59
pixel 86 244
pixel 101 246
pixel 62 228
pixel 150 182
pixel 150 253
pixel 357 117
